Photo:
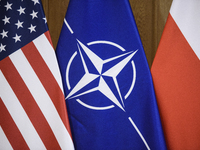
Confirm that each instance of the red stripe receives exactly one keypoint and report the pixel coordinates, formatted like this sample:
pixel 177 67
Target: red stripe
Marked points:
pixel 47 34
pixel 30 106
pixel 10 129
pixel 48 81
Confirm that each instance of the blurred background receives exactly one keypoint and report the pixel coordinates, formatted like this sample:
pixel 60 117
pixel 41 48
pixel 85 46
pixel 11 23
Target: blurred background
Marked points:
pixel 150 16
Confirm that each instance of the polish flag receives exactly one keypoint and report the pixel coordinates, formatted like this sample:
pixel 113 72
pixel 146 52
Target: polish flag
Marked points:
pixel 176 76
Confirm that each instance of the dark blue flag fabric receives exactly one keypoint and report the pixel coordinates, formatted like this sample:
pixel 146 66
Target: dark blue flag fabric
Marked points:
pixel 107 83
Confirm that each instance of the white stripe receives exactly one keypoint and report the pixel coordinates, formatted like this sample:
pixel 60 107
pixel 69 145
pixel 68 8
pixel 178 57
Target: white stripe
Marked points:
pixel 70 29
pixel 4 143
pixel 186 14
pixel 19 115
pixel 48 54
pixel 42 99
pixel 67 70
pixel 139 133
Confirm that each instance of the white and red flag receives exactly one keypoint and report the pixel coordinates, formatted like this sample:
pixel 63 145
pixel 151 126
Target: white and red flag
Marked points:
pixel 176 76
pixel 32 107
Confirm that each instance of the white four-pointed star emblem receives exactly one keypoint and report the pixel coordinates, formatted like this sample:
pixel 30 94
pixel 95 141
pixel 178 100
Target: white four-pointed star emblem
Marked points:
pixel 98 63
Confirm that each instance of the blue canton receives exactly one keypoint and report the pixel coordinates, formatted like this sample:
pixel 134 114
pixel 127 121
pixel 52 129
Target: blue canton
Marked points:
pixel 19 24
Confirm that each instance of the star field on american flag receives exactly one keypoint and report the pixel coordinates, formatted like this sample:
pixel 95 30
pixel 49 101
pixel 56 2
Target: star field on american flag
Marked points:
pixel 19 25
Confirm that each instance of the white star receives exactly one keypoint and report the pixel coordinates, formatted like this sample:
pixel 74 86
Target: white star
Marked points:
pixel 8 6
pixel 32 28
pixel 4 34
pixel 45 19
pixel 35 2
pixel 103 87
pixel 2 48
pixel 17 38
pixel 19 24
pixel 6 20
pixel 34 14
pixel 21 10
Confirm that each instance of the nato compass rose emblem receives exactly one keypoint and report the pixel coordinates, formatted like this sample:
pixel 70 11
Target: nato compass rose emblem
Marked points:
pixel 90 61
pixel 89 77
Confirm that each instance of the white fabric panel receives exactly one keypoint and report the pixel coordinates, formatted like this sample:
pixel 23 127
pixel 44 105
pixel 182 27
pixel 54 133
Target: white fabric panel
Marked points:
pixel 186 14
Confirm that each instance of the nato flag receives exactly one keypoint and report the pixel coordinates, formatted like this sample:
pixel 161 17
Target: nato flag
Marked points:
pixel 107 83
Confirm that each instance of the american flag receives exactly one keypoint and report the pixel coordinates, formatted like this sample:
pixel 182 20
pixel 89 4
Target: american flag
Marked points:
pixel 32 107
